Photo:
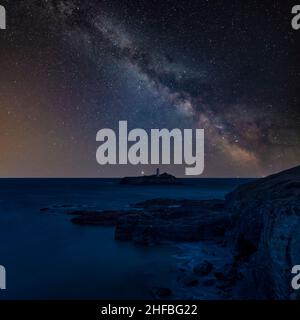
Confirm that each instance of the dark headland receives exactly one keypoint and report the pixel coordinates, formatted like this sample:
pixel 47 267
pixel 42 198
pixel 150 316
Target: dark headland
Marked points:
pixel 243 247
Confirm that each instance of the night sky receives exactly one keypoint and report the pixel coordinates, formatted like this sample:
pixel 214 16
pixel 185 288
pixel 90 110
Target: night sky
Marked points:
pixel 71 68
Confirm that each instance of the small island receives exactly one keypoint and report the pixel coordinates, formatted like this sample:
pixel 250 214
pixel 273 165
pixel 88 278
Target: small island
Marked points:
pixel 154 179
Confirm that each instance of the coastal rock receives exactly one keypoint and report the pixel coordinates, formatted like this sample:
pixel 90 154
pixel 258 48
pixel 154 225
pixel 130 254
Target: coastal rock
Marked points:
pixel 228 276
pixel 259 222
pixel 209 282
pixel 172 225
pixel 161 293
pixel 188 281
pixel 145 235
pixel 203 269
pixel 126 226
pixel 228 272
pixel 160 203
pixel 175 220
pixel 266 231
pixel 95 218
pixel 162 220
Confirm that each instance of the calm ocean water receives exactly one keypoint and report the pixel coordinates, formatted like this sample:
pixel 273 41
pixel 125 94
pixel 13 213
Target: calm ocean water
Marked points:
pixel 47 257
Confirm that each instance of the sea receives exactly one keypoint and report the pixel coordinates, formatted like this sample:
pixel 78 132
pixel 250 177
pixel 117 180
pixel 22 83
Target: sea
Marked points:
pixel 47 257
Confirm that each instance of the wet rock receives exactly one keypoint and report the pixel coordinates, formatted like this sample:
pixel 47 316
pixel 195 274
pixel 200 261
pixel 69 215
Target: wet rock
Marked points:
pixel 209 282
pixel 160 293
pixel 154 221
pixel 87 213
pixel 203 269
pixel 188 281
pixel 228 272
pixel 145 235
pixel 126 225
pixel 214 204
pixel 106 218
pixel 167 220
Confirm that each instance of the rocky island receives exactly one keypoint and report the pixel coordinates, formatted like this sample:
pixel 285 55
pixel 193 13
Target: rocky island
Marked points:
pixel 155 179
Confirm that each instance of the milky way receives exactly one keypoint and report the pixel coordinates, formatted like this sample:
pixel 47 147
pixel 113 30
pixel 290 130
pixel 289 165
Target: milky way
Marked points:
pixel 175 64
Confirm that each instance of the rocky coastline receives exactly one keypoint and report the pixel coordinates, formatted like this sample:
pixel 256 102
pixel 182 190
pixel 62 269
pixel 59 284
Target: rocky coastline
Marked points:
pixel 243 247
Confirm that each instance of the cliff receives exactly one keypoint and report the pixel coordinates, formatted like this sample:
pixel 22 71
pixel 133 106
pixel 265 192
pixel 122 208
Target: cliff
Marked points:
pixel 266 230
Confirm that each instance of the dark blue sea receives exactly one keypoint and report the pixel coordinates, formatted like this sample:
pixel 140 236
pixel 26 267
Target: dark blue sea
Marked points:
pixel 48 257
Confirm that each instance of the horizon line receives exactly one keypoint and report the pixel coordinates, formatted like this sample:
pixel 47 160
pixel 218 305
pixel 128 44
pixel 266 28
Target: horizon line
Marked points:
pixel 79 177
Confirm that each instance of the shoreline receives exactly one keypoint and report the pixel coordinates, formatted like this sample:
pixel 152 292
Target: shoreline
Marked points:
pixel 233 228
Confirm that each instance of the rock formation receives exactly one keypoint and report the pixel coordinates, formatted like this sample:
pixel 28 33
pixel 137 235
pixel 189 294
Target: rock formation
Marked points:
pixel 266 230
pixel 254 231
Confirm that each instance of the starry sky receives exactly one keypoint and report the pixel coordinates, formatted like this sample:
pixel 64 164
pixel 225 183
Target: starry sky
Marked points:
pixel 70 68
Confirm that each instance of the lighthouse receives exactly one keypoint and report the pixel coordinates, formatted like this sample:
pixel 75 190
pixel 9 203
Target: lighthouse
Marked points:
pixel 157 172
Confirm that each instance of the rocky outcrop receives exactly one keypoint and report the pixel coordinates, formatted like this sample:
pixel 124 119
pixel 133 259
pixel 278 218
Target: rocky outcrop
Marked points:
pixel 96 218
pixel 254 233
pixel 161 293
pixel 266 232
pixel 162 179
pixel 204 268
pixel 158 220
pixel 170 220
pixel 260 221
